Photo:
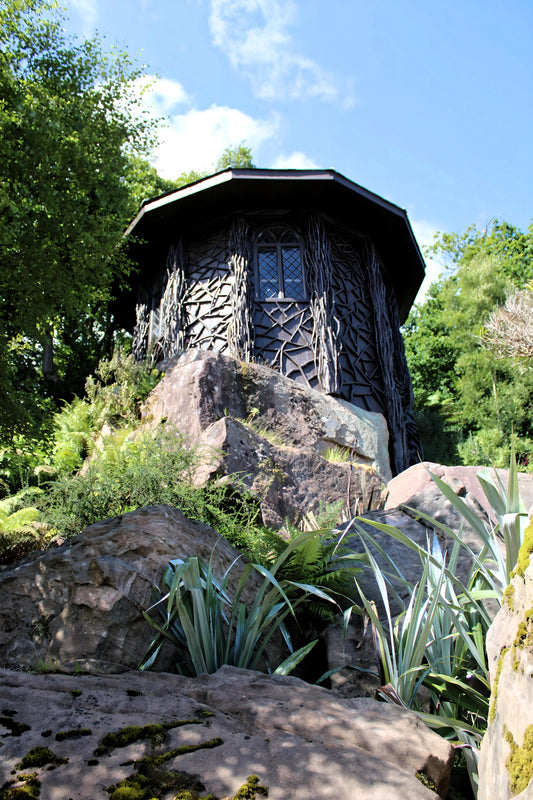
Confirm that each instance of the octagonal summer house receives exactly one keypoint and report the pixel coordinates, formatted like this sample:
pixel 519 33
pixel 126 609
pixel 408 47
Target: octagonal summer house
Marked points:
pixel 301 269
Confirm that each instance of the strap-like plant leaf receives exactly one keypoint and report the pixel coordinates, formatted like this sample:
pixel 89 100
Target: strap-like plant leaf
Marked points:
pixel 292 661
pixel 199 615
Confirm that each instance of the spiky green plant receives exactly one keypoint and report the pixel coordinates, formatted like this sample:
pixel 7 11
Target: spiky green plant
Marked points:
pixel 438 640
pixel 210 628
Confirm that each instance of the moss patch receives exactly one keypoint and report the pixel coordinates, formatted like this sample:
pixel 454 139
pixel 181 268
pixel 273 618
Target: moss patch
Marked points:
pixel 156 733
pixel 494 695
pixel 75 733
pixel 151 783
pixel 520 761
pixel 180 751
pixel 525 551
pixel 15 728
pixel 424 779
pixel 29 790
pixel 40 757
pixel 250 789
pixel 508 597
pixel 523 638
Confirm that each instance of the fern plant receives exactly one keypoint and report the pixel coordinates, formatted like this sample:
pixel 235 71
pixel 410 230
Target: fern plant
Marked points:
pixel 75 428
pixel 20 528
pixel 324 560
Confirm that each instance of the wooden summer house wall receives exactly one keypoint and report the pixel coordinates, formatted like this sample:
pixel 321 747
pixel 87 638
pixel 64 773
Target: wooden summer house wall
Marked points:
pixel 343 338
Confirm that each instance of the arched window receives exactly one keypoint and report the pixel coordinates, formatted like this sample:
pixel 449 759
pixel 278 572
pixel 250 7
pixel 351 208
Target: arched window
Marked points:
pixel 279 266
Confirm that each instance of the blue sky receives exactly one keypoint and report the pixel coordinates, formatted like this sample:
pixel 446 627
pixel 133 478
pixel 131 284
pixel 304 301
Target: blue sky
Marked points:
pixel 428 104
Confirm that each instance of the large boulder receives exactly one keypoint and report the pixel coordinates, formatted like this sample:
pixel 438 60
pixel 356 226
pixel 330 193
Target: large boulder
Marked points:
pixel 83 601
pixel 273 434
pixel 506 761
pixel 300 740
pixel 415 490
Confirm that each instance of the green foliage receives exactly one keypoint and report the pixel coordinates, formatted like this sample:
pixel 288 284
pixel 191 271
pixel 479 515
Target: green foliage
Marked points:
pixel 512 247
pixel 438 640
pixel 239 156
pixel 66 133
pixel 114 396
pixel 324 560
pixel 461 387
pixel 122 385
pixel 19 465
pixel 136 469
pixel 21 530
pixel 73 436
pixel 210 628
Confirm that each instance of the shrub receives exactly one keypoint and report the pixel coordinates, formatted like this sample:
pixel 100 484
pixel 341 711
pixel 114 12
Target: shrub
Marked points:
pixel 136 469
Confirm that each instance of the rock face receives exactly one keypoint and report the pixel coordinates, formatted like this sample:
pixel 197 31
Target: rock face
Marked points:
pixel 416 489
pixel 300 740
pixel 272 432
pixel 506 762
pixel 84 599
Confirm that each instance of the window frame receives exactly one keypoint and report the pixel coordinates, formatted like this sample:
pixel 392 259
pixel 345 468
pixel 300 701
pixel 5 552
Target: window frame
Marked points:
pixel 279 240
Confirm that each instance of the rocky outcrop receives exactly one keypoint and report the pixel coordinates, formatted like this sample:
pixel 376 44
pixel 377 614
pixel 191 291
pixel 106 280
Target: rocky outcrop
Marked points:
pixel 300 740
pixel 506 762
pixel 273 435
pixel 83 600
pixel 415 489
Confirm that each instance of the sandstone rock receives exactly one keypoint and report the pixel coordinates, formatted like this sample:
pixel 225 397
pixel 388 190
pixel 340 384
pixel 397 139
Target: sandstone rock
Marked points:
pixel 510 653
pixel 258 420
pixel 416 489
pixel 84 599
pixel 353 646
pixel 287 480
pixel 406 559
pixel 300 740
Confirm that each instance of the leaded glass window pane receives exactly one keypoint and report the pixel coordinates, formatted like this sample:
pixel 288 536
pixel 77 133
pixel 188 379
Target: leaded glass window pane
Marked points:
pixel 292 272
pixel 267 258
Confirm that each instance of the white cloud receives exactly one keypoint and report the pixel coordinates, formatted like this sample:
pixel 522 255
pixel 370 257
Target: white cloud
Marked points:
pixel 194 138
pixel 254 35
pixel 424 232
pixel 295 160
pixel 161 95
pixel 88 11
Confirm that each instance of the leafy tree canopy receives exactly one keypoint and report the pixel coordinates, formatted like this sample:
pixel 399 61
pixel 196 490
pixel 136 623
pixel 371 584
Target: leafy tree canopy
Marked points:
pixel 464 391
pixel 67 134
pixel 143 181
pixel 240 156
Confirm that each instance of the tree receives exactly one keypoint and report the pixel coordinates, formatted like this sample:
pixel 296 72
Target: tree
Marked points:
pixel 67 135
pixel 509 329
pixel 470 401
pixel 143 181
pixel 239 156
